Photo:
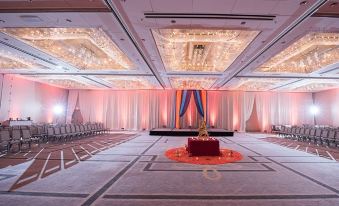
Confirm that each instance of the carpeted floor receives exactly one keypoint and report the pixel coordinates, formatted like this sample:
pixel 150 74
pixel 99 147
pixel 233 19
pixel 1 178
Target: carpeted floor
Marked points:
pixel 136 172
pixel 51 157
pixel 319 150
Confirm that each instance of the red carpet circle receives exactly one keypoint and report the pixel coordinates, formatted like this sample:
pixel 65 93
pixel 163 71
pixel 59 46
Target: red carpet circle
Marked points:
pixel 181 155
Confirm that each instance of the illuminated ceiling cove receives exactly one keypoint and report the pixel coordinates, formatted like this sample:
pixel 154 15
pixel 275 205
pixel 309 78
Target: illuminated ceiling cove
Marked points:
pixel 84 48
pixel 128 82
pixel 317 85
pixel 246 84
pixel 191 83
pixel 201 50
pixel 9 60
pixel 269 45
pixel 310 53
pixel 63 81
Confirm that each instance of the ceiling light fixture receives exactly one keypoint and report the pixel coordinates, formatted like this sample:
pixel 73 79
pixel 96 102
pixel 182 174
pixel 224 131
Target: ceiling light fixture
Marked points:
pixel 333 4
pixel 128 82
pixel 201 50
pixel 85 48
pixel 303 3
pixel 310 53
pixel 192 83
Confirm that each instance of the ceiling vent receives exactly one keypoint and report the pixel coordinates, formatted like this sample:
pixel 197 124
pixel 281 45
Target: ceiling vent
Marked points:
pixel 31 19
pixel 208 16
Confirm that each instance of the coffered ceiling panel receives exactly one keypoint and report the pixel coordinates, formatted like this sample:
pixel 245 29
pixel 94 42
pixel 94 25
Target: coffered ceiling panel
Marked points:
pixel 84 48
pixel 192 82
pixel 63 81
pixel 309 54
pixel 202 50
pixel 313 85
pixel 255 84
pixel 130 82
pixel 12 61
pixel 262 45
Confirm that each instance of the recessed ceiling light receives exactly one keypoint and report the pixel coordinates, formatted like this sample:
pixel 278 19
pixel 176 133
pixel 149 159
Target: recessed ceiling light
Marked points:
pixel 333 4
pixel 303 3
pixel 173 21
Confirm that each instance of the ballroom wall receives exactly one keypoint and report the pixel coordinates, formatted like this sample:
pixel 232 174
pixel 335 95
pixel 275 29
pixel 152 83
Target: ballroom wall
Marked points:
pixel 21 98
pixel 146 109
pixel 328 104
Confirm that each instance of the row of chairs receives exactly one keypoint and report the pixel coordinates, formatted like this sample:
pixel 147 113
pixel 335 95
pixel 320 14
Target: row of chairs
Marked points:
pixel 11 136
pixel 317 135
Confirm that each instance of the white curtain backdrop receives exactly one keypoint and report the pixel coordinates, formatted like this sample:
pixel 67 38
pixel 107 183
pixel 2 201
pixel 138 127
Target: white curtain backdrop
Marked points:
pixel 327 102
pixel 247 107
pixel 146 109
pixel 134 110
pixel 22 98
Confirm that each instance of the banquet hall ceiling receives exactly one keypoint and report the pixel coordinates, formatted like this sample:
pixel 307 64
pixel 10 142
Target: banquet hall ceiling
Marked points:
pixel 259 45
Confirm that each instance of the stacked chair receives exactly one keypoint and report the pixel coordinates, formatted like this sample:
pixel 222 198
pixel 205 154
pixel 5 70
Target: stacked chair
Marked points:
pixel 321 135
pixel 20 135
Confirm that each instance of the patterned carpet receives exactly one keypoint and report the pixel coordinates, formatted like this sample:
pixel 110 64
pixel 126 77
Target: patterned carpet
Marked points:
pixel 50 158
pixel 180 154
pixel 322 151
pixel 132 170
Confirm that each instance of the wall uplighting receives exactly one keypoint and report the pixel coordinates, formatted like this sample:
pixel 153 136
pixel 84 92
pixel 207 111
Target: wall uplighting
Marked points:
pixel 314 110
pixel 58 109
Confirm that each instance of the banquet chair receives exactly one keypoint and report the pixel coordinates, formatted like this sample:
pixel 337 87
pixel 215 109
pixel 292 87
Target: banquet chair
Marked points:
pixel 63 133
pixel 57 133
pixel 50 133
pixel 311 135
pixel 306 134
pixel 36 136
pixel 336 138
pixel 301 134
pixel 69 132
pixel 5 140
pixel 26 137
pixel 16 138
pixel 323 136
pixel 331 137
pixel 317 135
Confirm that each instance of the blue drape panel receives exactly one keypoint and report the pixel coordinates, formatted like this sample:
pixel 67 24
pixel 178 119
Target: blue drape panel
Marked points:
pixel 198 102
pixel 185 100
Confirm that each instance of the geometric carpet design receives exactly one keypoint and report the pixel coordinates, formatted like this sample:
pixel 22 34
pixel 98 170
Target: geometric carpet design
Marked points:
pixel 49 158
pixel 132 170
pixel 180 154
pixel 322 151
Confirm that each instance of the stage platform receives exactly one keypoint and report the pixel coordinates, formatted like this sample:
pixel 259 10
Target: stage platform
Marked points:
pixel 189 132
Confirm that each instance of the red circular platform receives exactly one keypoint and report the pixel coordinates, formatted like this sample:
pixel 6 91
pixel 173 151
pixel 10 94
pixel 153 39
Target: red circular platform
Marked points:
pixel 181 155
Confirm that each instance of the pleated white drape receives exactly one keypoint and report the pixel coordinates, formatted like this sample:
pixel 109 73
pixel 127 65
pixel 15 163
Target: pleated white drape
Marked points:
pixel 134 110
pixel 21 98
pixel 146 109
pixel 247 104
